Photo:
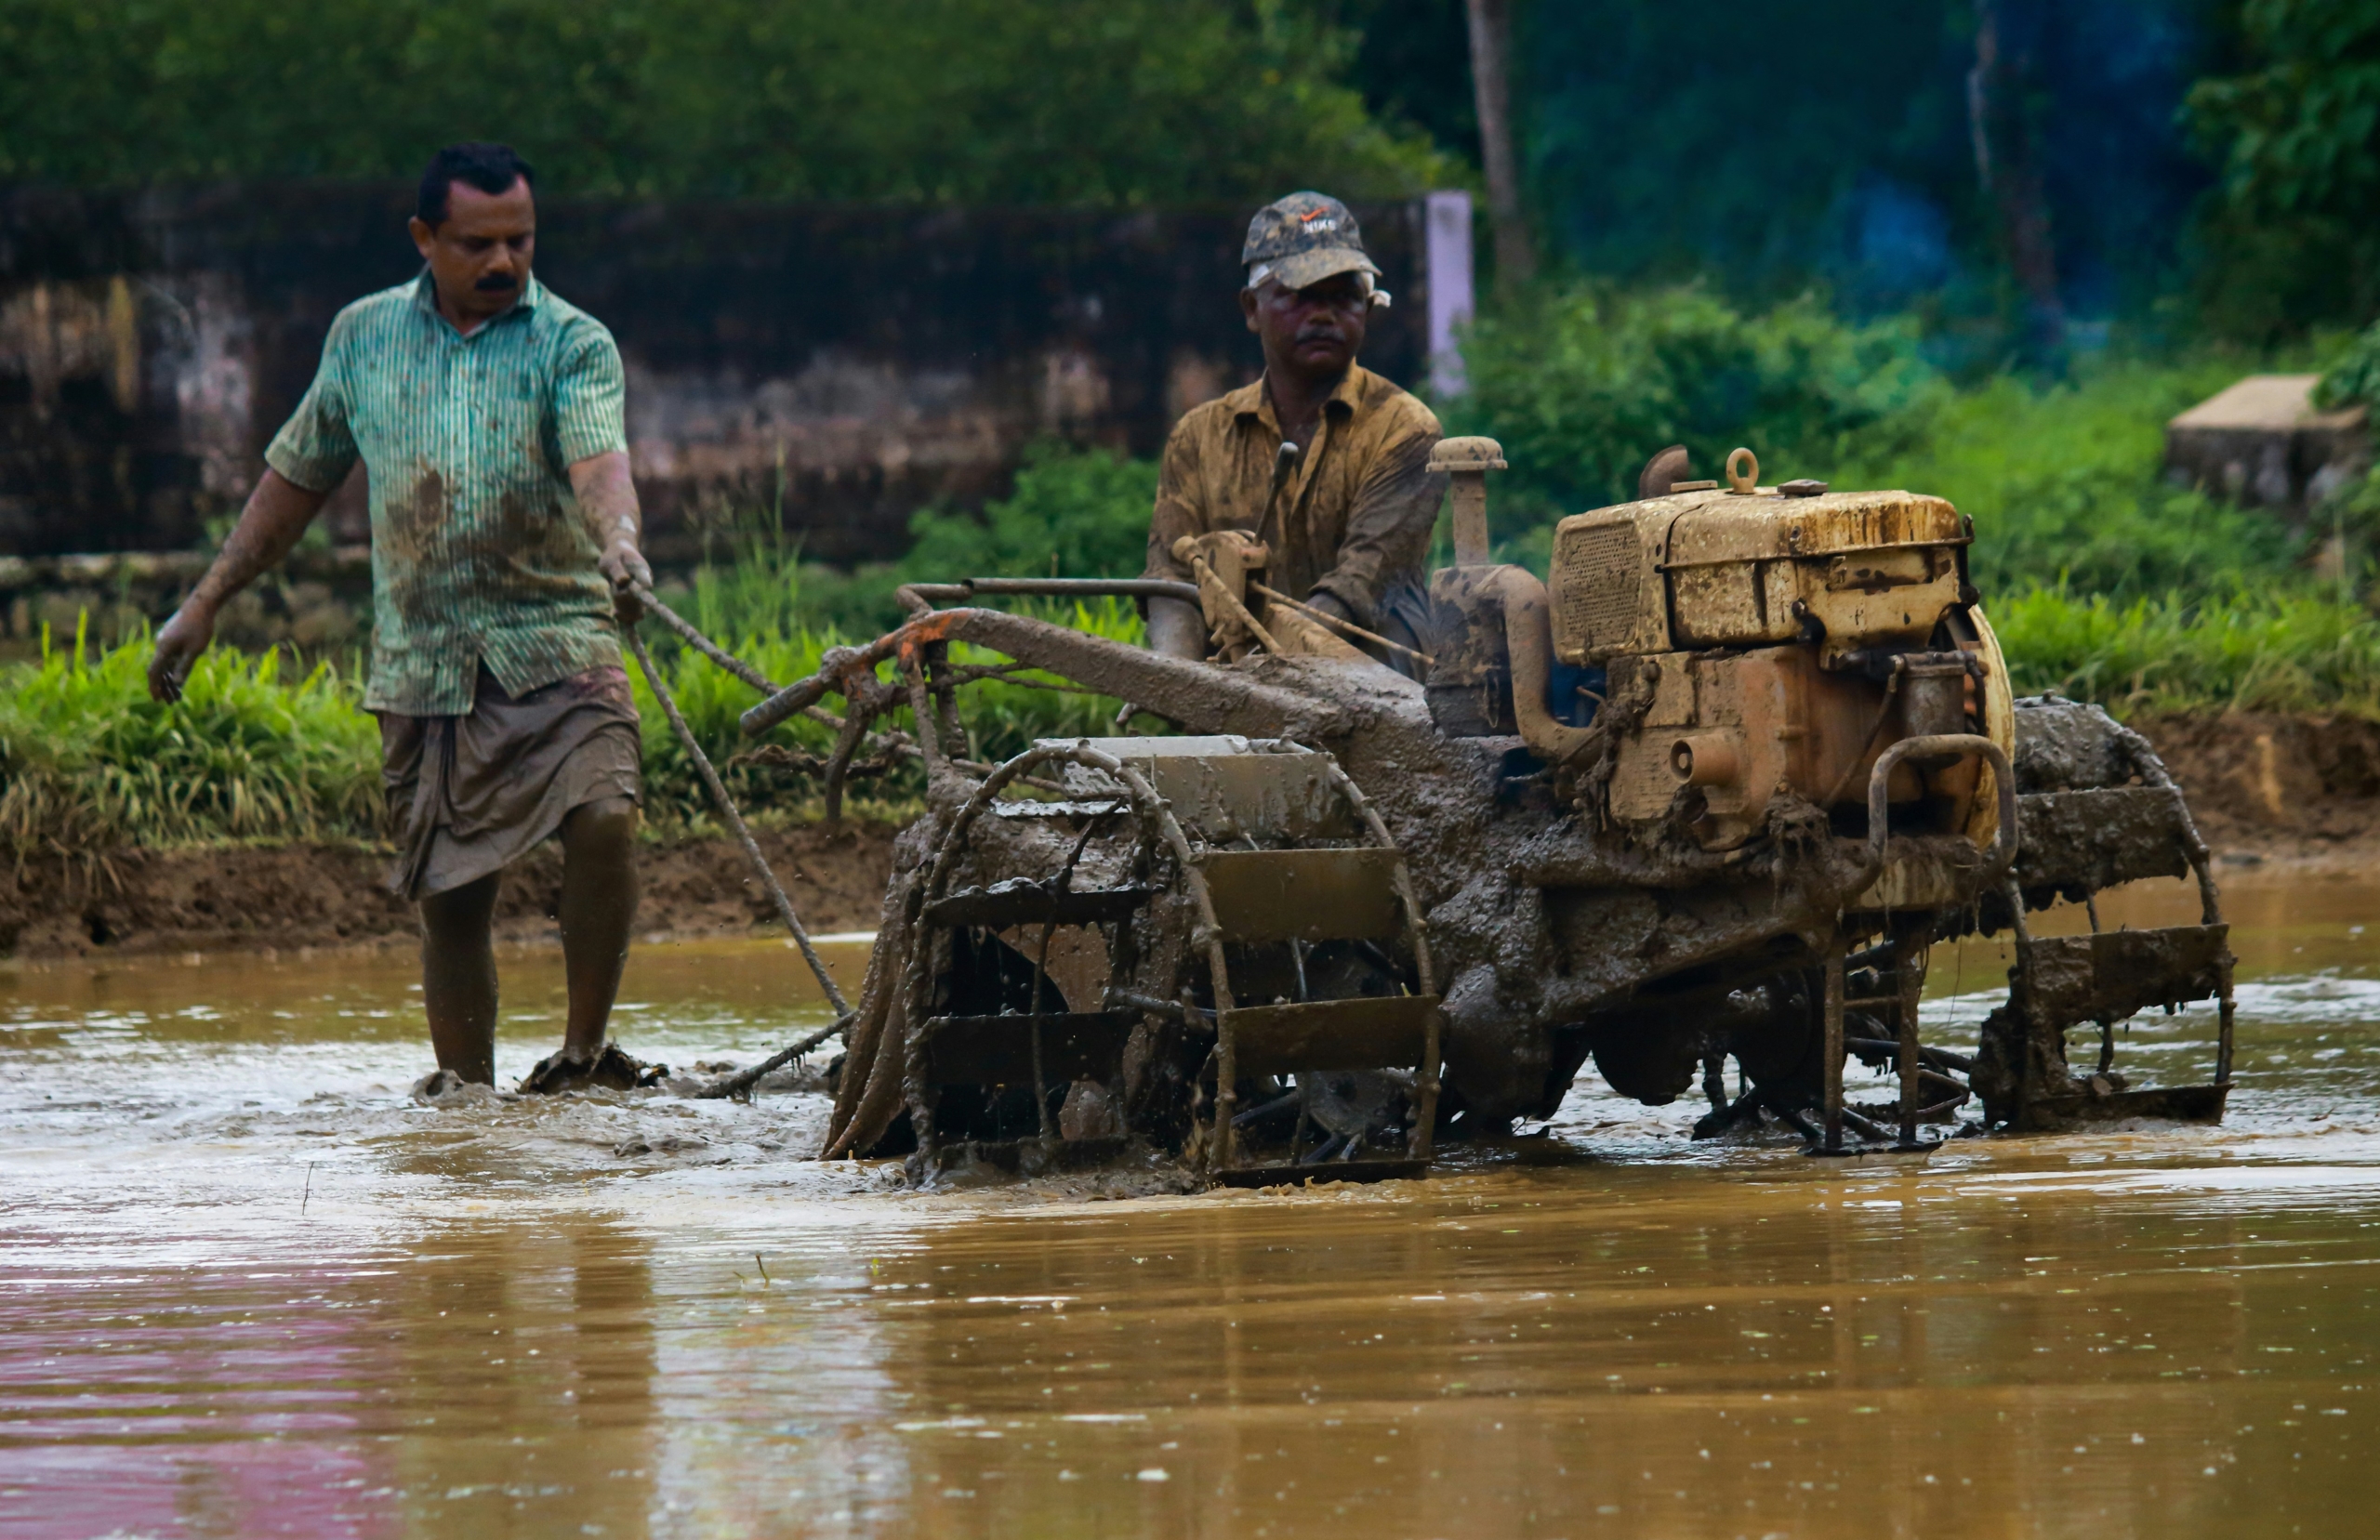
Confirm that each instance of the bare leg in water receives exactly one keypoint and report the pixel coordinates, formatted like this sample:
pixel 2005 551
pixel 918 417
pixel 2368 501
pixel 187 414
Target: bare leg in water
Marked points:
pixel 458 977
pixel 598 893
pixel 598 911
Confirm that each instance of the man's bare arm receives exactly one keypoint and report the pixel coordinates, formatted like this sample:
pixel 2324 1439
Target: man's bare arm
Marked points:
pixel 277 514
pixel 607 498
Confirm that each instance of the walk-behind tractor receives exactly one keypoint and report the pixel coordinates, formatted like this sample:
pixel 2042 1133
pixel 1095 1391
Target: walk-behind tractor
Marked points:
pixel 1712 792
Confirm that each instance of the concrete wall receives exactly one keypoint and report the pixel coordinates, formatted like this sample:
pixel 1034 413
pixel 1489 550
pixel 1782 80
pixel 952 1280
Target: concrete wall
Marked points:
pixel 861 361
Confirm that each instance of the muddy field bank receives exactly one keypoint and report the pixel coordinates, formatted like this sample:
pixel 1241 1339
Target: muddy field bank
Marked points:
pixel 2304 790
pixel 318 895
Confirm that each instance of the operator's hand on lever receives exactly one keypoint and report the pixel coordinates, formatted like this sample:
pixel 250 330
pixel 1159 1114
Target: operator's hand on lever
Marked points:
pixel 1177 630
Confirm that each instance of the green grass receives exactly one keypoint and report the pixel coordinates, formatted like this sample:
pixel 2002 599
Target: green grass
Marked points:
pixel 2105 581
pixel 2064 480
pixel 251 752
pixel 1582 382
pixel 257 750
pixel 2066 485
pixel 2247 652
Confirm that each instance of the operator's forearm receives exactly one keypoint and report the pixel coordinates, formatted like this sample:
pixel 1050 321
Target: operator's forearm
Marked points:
pixel 270 526
pixel 607 498
pixel 1388 529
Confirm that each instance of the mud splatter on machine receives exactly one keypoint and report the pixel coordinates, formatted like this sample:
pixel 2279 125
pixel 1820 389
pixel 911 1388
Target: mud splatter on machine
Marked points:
pixel 1712 793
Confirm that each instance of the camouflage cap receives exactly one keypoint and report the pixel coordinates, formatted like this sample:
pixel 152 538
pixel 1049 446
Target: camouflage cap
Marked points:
pixel 1302 240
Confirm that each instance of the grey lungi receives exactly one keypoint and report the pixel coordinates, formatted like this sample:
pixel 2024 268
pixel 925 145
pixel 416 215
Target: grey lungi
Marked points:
pixel 474 793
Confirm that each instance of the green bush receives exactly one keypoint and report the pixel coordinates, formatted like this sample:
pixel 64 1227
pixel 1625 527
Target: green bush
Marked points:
pixel 1583 384
pixel 253 752
pixel 1072 513
pixel 2064 481
pixel 2354 376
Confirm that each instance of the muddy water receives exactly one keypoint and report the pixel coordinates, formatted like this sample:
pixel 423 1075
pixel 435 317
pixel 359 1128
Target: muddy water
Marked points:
pixel 247 1289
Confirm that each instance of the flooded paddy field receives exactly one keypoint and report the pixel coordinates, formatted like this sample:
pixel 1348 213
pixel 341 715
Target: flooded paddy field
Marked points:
pixel 248 1288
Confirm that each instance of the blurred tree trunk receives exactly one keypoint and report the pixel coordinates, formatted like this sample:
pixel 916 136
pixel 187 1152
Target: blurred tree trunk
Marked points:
pixel 1491 50
pixel 2006 163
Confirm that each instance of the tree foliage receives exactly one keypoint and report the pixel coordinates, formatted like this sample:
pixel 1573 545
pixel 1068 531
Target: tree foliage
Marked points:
pixel 1106 101
pixel 2296 132
pixel 2300 130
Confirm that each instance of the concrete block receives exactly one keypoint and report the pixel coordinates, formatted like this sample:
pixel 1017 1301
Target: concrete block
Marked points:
pixel 2263 442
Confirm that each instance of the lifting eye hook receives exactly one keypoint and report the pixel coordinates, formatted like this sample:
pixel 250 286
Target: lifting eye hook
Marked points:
pixel 1745 482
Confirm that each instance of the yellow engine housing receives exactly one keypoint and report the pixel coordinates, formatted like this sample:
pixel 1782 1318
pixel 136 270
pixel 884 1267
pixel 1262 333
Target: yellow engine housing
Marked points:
pixel 1720 568
pixel 1736 613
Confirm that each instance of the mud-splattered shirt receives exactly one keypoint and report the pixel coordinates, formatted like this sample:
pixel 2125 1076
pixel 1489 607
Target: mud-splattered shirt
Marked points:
pixel 1352 519
pixel 479 550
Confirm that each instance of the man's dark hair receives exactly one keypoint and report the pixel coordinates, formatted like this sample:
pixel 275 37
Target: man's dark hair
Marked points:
pixel 492 169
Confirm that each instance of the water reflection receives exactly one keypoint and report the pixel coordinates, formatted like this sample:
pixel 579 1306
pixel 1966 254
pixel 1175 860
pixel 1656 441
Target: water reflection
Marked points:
pixel 450 1386
pixel 1660 1360
pixel 247 1288
pixel 521 1374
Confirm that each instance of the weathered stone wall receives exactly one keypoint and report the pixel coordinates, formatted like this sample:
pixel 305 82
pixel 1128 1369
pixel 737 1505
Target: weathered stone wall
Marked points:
pixel 857 362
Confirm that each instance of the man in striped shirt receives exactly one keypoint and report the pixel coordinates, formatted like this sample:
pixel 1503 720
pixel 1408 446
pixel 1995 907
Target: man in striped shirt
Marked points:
pixel 488 414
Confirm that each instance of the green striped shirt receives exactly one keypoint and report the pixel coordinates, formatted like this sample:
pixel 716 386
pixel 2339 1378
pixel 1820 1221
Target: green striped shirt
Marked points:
pixel 479 551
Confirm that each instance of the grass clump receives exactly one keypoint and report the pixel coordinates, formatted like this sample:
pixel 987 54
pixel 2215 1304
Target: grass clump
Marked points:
pixel 87 761
pixel 258 750
pixel 2243 651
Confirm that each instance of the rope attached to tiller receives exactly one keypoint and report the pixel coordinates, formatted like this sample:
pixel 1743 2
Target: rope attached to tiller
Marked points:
pixel 742 1080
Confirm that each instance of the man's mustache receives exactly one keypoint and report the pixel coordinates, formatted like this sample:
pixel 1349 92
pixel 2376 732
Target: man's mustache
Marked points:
pixel 496 282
